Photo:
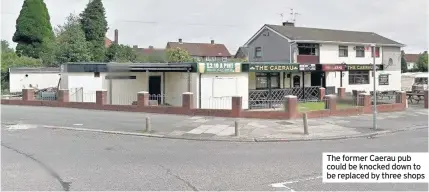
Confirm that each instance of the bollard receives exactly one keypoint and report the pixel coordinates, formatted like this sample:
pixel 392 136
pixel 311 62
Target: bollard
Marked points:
pixel 304 117
pixel 148 128
pixel 236 124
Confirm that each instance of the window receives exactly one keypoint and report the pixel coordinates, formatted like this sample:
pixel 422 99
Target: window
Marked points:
pixel 308 49
pixel 96 74
pixel 360 51
pixel 263 80
pixel 224 59
pixel 258 52
pixel 358 77
pixel 377 52
pixel 343 51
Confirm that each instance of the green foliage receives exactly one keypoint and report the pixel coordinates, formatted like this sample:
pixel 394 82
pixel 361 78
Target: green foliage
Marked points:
pixel 178 55
pixel 120 54
pixel 10 59
pixel 404 67
pixel 150 59
pixel 71 43
pixel 94 24
pixel 33 30
pixel 422 63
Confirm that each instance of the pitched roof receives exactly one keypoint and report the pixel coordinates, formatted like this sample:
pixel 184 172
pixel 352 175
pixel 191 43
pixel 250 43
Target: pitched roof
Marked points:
pixel 412 57
pixel 202 49
pixel 242 52
pixel 304 34
pixel 107 42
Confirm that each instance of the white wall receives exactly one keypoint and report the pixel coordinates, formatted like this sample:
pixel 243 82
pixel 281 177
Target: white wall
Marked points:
pixel 329 54
pixel 124 91
pixel 82 86
pixel 211 88
pixel 176 83
pixel 394 82
pixel 18 81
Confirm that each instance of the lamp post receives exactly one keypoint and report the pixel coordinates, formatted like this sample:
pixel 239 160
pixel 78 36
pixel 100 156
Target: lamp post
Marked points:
pixel 374 95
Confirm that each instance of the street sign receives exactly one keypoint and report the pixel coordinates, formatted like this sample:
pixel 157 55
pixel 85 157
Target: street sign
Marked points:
pixel 219 67
pixel 307 67
pixel 273 67
pixel 383 79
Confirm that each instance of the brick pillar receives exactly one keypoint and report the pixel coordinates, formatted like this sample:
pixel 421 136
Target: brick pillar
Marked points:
pixel 401 97
pixel 426 99
pixel 101 97
pixel 143 98
pixel 364 99
pixel 341 92
pixel 188 100
pixel 331 102
pixel 236 106
pixel 291 105
pixel 28 94
pixel 322 92
pixel 63 95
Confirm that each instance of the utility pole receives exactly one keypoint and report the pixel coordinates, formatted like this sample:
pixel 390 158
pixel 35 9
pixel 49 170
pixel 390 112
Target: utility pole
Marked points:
pixel 374 93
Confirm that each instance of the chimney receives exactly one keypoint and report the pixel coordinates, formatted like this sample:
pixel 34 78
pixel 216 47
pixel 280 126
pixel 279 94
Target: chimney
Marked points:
pixel 180 40
pixel 116 36
pixel 151 47
pixel 289 24
pixel 135 46
pixel 212 42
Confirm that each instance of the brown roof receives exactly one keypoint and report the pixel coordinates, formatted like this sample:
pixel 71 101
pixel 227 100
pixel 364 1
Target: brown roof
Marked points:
pixel 202 49
pixel 412 57
pixel 154 52
pixel 107 42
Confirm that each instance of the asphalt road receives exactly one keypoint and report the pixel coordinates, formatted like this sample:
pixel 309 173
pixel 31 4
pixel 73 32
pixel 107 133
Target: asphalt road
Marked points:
pixel 44 159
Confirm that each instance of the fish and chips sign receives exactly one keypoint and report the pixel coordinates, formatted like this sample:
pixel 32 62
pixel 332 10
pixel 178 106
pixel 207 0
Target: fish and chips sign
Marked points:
pixel 273 67
pixel 219 67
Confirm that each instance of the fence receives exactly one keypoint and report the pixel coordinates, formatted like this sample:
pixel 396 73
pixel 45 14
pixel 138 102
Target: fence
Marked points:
pixel 274 98
pixel 81 95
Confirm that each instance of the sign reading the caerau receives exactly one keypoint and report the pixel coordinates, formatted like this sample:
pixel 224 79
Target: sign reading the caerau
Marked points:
pixel 219 67
pixel 383 79
pixel 307 67
pixel 273 67
pixel 363 67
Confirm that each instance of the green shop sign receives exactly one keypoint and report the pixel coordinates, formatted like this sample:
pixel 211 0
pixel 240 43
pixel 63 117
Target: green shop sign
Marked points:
pixel 273 67
pixel 219 67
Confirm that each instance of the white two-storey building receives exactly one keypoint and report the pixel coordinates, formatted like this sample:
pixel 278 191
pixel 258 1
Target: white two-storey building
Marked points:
pixel 342 58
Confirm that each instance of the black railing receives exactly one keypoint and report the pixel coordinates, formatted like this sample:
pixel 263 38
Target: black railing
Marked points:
pixel 275 98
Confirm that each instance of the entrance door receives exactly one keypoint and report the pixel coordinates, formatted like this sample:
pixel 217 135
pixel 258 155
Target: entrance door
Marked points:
pixel 318 79
pixel 155 88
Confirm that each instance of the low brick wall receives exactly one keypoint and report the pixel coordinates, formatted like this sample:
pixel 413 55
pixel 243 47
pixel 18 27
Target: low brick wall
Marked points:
pixel 290 111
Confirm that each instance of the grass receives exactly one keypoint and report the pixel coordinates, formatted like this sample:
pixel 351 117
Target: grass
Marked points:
pixel 316 106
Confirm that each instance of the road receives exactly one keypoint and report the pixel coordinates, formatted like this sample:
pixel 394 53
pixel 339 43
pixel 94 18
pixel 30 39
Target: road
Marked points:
pixel 37 158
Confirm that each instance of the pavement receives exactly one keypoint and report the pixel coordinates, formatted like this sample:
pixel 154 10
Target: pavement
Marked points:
pixel 38 159
pixel 213 128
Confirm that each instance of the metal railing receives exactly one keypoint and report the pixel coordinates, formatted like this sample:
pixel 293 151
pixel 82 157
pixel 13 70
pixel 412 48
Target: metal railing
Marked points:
pixel 274 98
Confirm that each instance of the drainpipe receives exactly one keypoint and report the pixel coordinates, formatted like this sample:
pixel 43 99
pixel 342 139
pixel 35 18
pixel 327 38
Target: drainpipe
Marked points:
pixel 290 50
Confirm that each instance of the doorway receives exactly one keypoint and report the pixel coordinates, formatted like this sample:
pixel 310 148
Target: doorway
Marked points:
pixel 318 79
pixel 155 88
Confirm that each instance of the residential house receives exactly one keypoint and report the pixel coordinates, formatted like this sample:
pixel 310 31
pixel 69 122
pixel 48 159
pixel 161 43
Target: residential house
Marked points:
pixel 345 57
pixel 242 53
pixel 210 52
pixel 412 60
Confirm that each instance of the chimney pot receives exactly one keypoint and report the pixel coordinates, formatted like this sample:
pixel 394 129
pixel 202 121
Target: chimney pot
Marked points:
pixel 212 42
pixel 116 36
pixel 180 40
pixel 289 24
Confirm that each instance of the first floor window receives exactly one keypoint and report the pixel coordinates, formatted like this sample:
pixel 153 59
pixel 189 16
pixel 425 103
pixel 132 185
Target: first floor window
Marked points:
pixel 264 80
pixel 258 52
pixel 360 51
pixel 343 51
pixel 358 77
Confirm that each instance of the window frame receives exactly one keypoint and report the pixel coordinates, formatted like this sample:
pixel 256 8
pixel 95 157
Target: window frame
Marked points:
pixel 345 49
pixel 268 79
pixel 363 75
pixel 358 49
pixel 258 50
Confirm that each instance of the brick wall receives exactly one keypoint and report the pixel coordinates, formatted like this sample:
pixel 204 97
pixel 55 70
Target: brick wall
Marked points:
pixel 290 106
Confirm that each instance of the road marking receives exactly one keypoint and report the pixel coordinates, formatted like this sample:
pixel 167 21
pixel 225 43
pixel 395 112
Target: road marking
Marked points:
pixel 283 184
pixel 78 124
pixel 21 127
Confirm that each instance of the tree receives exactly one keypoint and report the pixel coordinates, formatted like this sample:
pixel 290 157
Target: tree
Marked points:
pixel 71 43
pixel 94 24
pixel 404 67
pixel 422 63
pixel 10 59
pixel 120 53
pixel 33 30
pixel 178 55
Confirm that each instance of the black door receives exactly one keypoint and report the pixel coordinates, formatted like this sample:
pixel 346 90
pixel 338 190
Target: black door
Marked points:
pixel 155 88
pixel 317 79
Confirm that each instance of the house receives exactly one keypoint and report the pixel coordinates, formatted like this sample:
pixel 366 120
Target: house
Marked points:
pixel 336 58
pixel 210 52
pixel 412 60
pixel 242 53
pixel 150 54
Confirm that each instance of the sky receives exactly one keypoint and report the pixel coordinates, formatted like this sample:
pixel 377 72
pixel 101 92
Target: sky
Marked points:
pixel 232 22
